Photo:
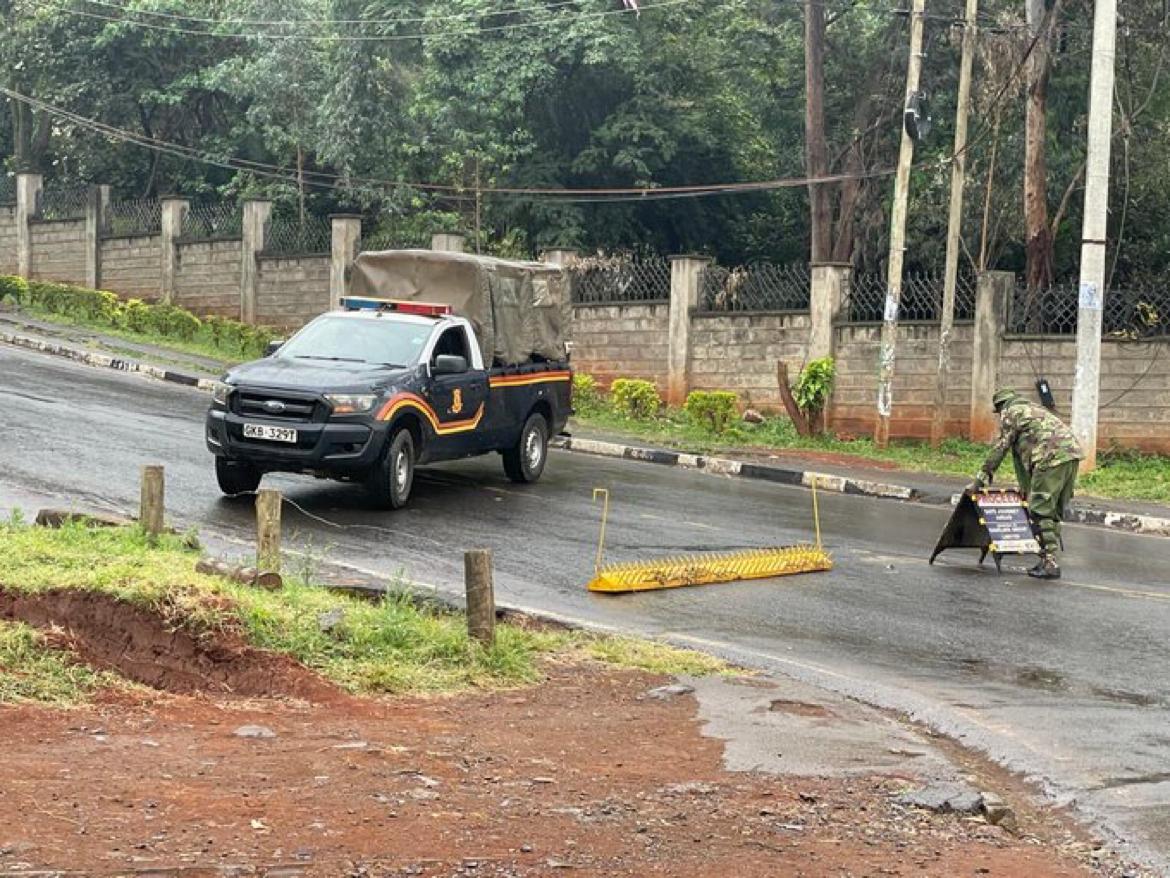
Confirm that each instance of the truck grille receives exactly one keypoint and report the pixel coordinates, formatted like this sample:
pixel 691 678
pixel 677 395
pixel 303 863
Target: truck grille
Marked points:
pixel 274 406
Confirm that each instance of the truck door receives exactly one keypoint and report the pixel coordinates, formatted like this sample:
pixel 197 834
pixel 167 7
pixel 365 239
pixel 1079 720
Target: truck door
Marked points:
pixel 458 399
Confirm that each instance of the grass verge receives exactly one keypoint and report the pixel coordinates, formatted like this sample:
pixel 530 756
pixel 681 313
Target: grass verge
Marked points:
pixel 393 645
pixel 1120 474
pixel 32 670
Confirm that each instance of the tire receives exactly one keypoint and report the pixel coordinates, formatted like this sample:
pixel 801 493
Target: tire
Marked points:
pixel 235 477
pixel 525 462
pixel 391 480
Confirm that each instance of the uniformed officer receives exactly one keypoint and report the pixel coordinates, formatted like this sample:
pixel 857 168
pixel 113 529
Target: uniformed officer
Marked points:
pixel 1046 457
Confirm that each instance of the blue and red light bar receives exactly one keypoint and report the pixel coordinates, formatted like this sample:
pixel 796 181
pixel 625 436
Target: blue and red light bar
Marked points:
pixel 399 306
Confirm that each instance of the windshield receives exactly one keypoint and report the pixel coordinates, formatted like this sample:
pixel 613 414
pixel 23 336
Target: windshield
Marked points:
pixel 343 339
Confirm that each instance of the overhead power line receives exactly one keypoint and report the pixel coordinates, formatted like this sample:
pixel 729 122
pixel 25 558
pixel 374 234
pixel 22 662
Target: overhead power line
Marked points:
pixel 323 180
pixel 355 38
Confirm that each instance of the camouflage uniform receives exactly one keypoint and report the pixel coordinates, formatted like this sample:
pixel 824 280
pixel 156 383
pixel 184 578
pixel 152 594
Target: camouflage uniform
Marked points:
pixel 1046 457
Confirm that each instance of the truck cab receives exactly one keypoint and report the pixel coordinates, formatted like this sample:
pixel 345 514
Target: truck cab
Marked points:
pixel 368 392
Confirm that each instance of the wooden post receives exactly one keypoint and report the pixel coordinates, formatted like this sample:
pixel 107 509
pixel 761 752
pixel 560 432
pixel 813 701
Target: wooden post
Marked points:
pixel 150 513
pixel 481 601
pixel 268 502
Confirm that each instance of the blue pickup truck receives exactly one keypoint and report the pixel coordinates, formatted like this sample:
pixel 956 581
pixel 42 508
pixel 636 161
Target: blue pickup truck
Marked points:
pixel 368 392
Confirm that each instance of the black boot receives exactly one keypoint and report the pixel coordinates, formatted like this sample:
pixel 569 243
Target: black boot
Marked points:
pixel 1046 569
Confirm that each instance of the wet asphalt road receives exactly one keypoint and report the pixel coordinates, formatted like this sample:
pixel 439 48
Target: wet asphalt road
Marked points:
pixel 1068 683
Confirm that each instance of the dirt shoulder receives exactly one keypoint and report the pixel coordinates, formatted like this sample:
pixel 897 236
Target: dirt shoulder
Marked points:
pixel 588 774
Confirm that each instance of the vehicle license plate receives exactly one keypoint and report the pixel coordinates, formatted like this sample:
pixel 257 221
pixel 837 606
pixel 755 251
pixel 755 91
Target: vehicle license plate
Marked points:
pixel 273 434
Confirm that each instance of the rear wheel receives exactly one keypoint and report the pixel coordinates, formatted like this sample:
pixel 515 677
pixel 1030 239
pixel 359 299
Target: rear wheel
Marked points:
pixel 525 462
pixel 393 477
pixel 236 477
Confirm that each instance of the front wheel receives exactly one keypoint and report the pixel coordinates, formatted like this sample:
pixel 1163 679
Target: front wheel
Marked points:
pixel 525 461
pixel 235 477
pixel 393 477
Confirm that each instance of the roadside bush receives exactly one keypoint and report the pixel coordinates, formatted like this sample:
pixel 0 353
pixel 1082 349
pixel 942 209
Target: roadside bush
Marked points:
pixel 712 408
pixel 101 308
pixel 635 398
pixel 815 386
pixel 587 396
pixel 13 289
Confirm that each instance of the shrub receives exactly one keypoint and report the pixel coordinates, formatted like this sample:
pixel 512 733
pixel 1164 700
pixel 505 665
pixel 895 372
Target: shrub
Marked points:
pixel 713 408
pixel 586 394
pixel 176 322
pixel 15 289
pixel 635 398
pixel 815 385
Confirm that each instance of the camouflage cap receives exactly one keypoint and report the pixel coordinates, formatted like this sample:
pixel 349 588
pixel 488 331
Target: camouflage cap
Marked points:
pixel 1003 397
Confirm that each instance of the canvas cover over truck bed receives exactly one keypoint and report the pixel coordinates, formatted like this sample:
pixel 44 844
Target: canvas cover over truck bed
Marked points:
pixel 520 310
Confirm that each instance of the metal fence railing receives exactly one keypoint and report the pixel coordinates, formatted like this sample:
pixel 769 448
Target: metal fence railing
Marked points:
pixel 1132 312
pixel 922 295
pixel 311 235
pixel 619 278
pixel 761 286
pixel 211 222
pixel 63 201
pixel 135 216
pixel 7 190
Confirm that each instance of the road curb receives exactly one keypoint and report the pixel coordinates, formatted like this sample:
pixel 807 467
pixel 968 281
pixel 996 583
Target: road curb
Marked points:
pixel 722 466
pixel 105 361
pixel 1123 521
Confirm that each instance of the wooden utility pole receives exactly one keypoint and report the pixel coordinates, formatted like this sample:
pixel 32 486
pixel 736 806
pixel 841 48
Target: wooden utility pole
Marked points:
pixel 954 226
pixel 268 502
pixel 881 435
pixel 152 505
pixel 481 599
pixel 1087 384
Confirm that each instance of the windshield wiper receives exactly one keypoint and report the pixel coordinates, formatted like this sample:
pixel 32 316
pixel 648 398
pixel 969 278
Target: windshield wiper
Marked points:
pixel 390 365
pixel 330 359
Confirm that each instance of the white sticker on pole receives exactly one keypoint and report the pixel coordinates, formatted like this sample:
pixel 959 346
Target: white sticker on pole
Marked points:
pixel 891 308
pixel 1090 296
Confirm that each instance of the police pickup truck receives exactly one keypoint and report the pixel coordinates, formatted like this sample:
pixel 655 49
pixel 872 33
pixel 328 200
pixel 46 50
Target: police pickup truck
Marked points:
pixel 368 392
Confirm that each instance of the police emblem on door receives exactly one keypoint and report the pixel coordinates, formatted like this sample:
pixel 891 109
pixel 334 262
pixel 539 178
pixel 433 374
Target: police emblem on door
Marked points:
pixel 457 401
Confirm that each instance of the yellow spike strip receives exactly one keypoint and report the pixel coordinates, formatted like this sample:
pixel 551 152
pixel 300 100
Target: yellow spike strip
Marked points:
pixel 710 568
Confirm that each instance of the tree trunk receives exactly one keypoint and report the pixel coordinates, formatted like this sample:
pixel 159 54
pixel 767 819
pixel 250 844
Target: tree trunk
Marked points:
pixel 1038 234
pixel 816 151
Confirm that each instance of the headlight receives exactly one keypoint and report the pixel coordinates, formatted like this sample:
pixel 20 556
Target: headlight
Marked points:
pixel 351 403
pixel 220 392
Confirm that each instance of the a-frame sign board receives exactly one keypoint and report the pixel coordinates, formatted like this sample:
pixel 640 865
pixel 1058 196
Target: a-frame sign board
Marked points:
pixel 994 521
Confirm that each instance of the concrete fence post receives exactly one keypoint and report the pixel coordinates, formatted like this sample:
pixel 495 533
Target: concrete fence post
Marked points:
pixel 257 213
pixel 96 205
pixel 174 210
pixel 991 302
pixel 448 242
pixel 561 256
pixel 28 205
pixel 686 276
pixel 347 240
pixel 827 289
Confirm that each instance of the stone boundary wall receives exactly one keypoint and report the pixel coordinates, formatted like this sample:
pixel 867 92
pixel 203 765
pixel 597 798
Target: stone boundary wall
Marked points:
pixel 292 290
pixel 1135 385
pixel 621 341
pixel 855 396
pixel 8 240
pixel 132 266
pixel 739 352
pixel 58 251
pixel 207 278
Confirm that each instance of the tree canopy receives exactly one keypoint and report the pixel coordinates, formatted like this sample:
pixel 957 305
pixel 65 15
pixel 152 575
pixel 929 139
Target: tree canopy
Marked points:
pixel 418 113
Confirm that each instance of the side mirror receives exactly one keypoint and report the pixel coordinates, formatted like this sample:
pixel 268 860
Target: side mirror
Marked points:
pixel 449 364
pixel 273 346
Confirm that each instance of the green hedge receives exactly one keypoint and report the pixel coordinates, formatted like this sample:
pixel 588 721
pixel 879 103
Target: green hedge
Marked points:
pixel 100 308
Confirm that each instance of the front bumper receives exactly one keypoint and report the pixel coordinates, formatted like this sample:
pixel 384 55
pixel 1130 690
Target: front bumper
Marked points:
pixel 331 447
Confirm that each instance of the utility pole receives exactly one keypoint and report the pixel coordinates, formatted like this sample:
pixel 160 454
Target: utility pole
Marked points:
pixel 954 226
pixel 1087 383
pixel 881 436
